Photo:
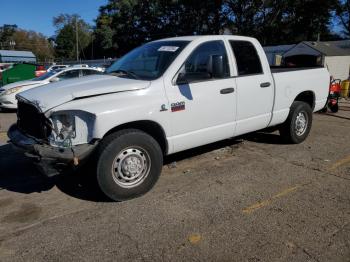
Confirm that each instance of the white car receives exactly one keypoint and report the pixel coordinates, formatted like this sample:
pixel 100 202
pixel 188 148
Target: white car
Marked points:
pixel 161 98
pixel 8 92
pixel 56 67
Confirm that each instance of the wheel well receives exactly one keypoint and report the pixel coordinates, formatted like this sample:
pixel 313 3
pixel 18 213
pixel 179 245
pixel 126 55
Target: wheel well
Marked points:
pixel 147 126
pixel 307 97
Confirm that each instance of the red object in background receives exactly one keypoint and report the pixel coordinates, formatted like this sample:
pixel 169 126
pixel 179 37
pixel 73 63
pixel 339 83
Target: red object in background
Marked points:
pixel 335 86
pixel 40 70
pixel 333 97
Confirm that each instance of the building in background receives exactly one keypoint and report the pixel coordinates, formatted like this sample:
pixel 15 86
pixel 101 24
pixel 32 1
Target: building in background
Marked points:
pixel 344 44
pixel 275 53
pixel 10 56
pixel 335 55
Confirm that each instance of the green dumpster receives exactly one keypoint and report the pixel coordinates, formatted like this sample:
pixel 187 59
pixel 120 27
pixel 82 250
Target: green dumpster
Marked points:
pixel 18 72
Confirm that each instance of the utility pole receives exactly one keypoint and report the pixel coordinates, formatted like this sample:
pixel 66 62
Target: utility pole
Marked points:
pixel 76 36
pixel 92 46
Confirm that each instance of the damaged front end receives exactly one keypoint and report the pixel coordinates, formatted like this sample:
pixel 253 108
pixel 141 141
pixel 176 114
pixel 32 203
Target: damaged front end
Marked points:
pixel 56 141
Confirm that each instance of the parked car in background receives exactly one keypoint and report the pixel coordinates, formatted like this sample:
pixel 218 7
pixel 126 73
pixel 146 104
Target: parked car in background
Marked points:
pixel 5 66
pixel 56 67
pixel 164 97
pixel 40 69
pixel 99 68
pixel 8 92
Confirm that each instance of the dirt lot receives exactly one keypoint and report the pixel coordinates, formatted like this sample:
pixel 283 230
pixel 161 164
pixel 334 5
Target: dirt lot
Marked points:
pixel 247 199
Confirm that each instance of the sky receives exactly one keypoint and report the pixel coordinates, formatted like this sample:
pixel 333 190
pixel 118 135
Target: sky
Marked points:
pixel 37 14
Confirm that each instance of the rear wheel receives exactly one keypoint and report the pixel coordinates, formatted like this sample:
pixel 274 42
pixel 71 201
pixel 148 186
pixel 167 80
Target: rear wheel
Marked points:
pixel 298 124
pixel 129 164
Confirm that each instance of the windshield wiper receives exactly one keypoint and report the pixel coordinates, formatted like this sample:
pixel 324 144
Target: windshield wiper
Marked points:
pixel 124 72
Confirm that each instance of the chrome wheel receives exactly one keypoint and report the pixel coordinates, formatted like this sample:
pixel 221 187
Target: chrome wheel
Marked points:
pixel 301 123
pixel 131 167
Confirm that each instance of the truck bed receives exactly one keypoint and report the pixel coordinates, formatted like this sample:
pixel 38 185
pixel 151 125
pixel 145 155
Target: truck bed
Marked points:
pixel 282 69
pixel 292 81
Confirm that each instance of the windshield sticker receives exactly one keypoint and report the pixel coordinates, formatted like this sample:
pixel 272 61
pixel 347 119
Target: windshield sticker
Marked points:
pixel 168 48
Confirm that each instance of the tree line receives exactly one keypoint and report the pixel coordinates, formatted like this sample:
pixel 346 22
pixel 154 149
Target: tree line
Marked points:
pixel 14 38
pixel 124 24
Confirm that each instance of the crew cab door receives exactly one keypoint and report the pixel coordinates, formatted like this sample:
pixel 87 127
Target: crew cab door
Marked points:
pixel 202 98
pixel 255 87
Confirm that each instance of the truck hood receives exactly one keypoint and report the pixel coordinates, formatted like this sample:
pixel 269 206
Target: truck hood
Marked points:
pixel 52 95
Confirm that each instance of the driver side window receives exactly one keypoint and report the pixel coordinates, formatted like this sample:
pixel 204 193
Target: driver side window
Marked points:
pixel 198 67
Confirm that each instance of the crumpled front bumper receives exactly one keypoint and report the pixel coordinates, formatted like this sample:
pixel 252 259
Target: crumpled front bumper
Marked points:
pixel 8 101
pixel 50 160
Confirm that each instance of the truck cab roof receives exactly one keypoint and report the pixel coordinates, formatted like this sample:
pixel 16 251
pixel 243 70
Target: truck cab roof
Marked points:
pixel 206 37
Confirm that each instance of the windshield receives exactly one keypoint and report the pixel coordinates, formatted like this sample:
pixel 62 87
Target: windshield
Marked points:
pixel 149 61
pixel 46 75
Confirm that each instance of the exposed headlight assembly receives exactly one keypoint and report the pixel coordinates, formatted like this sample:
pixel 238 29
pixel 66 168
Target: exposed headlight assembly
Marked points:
pixel 71 128
pixel 12 90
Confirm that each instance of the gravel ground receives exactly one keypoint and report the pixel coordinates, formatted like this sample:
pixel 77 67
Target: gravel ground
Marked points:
pixel 247 199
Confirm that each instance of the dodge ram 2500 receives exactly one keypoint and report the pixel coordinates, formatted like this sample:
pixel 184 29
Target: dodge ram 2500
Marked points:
pixel 164 97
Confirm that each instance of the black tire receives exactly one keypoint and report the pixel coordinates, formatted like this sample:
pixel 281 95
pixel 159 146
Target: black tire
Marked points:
pixel 141 147
pixel 288 129
pixel 334 108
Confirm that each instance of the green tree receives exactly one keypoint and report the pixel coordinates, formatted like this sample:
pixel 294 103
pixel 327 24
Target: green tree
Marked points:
pixel 281 21
pixel 125 24
pixel 12 37
pixel 122 25
pixel 35 42
pixel 67 27
pixel 6 35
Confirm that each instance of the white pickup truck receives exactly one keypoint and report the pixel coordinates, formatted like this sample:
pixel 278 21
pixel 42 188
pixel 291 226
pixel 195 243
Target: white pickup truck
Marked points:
pixel 164 97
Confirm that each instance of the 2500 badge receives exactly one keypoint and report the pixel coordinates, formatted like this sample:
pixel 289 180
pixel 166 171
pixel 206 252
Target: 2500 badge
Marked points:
pixel 178 106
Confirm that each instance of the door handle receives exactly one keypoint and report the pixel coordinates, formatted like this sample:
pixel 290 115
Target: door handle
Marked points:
pixel 266 84
pixel 227 91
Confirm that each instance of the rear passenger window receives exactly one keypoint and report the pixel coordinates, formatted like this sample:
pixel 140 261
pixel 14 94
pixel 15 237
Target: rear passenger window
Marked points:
pixel 248 61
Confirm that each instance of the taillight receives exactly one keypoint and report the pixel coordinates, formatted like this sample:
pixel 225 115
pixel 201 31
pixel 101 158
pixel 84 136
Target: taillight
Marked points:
pixel 40 70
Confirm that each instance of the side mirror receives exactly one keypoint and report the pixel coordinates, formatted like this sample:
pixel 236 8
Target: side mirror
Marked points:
pixel 54 79
pixel 181 79
pixel 217 66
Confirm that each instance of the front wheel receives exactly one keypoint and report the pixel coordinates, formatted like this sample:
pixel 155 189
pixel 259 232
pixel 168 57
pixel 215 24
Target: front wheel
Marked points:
pixel 129 164
pixel 298 124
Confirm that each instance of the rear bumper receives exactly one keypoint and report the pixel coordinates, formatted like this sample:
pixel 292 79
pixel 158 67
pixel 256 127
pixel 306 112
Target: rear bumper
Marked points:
pixel 50 160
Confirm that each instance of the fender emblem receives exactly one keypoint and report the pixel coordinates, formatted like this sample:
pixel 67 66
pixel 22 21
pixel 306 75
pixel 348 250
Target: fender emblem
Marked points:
pixel 163 108
pixel 178 106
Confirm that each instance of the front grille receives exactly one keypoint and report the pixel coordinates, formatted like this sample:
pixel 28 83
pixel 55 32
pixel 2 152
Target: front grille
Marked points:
pixel 32 122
